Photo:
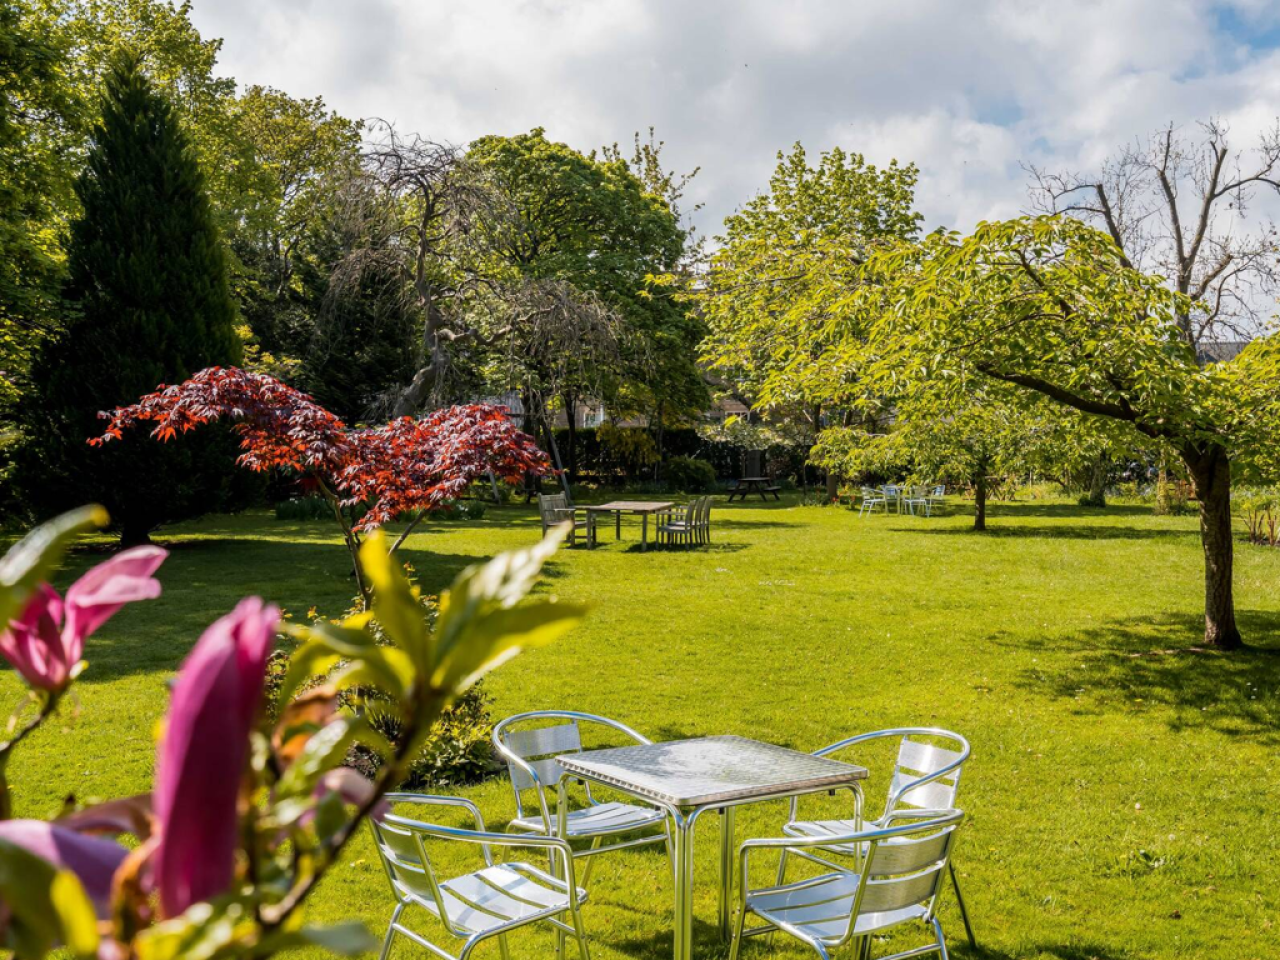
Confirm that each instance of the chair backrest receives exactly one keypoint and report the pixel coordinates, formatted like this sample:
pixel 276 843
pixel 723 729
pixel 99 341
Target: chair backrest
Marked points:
pixel 871 493
pixel 691 512
pixel 906 867
pixel 548 506
pixel 530 750
pixel 938 766
pixel 704 511
pixel 940 490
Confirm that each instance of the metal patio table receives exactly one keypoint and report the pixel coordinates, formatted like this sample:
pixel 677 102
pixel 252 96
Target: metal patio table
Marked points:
pixel 688 777
pixel 641 507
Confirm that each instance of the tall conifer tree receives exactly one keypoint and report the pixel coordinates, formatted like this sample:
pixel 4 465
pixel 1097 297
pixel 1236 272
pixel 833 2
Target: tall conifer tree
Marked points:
pixel 150 304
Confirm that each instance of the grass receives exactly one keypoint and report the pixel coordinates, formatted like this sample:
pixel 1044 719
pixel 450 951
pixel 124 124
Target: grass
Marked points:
pixel 1122 794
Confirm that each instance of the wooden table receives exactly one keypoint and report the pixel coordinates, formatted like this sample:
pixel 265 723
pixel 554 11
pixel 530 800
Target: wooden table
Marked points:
pixel 748 485
pixel 688 777
pixel 642 508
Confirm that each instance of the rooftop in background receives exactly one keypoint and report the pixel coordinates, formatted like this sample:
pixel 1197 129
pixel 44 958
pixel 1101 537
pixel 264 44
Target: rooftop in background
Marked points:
pixel 1220 350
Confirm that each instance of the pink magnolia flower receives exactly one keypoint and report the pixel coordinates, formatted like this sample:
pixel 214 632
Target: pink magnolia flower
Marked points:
pixel 202 758
pixel 47 641
pixel 92 859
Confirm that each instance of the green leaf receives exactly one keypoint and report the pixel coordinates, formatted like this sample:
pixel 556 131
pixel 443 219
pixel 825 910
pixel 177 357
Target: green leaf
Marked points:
pixel 47 906
pixel 35 557
pixel 346 939
pixel 479 625
pixel 394 604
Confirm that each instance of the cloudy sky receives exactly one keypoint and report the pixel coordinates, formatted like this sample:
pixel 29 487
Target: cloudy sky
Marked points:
pixel 969 91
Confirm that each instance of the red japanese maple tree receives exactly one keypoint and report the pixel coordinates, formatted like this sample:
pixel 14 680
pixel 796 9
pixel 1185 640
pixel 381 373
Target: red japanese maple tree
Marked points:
pixel 369 476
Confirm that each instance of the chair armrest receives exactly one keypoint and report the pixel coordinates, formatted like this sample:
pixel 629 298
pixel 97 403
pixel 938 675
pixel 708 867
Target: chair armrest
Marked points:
pixel 435 800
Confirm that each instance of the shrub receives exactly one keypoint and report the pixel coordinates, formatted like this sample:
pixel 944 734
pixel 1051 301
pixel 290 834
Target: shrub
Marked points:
pixel 1261 515
pixel 457 751
pixel 304 508
pixel 689 475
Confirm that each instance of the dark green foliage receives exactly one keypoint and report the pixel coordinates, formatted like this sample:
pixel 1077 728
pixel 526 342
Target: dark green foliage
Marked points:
pixel 596 460
pixel 31 102
pixel 304 508
pixel 689 475
pixel 148 303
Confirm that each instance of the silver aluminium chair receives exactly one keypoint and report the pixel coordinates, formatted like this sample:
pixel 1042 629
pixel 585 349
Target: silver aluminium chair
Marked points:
pixel 474 907
pixel 916 498
pixel 896 881
pixel 530 747
pixel 872 498
pixel 926 779
pixel 936 497
pixel 554 509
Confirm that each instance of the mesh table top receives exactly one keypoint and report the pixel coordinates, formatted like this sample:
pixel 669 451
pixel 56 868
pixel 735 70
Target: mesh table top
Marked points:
pixel 710 771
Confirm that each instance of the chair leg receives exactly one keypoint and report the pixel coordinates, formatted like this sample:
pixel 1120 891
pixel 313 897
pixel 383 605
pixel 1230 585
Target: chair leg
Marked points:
pixel 942 941
pixel 581 932
pixel 391 932
pixel 586 873
pixel 964 912
pixel 503 949
pixel 736 943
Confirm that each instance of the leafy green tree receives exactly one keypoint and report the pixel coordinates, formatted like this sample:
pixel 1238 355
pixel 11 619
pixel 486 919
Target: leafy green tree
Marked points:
pixel 594 224
pixel 308 155
pixel 32 99
pixel 1052 307
pixel 148 280
pixel 764 315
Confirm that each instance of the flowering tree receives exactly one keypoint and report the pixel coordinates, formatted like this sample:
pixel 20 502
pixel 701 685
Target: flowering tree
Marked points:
pixel 245 816
pixel 404 466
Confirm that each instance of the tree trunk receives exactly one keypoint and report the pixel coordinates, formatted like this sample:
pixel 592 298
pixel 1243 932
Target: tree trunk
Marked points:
pixel 134 533
pixel 570 410
pixel 980 501
pixel 662 450
pixel 1097 496
pixel 1210 470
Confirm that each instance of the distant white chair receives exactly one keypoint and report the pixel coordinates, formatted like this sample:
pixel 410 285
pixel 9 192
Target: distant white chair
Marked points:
pixel 872 498
pixel 916 498
pixel 899 874
pixel 936 497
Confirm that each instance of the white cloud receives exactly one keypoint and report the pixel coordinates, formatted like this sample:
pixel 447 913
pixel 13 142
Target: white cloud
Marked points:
pixel 968 91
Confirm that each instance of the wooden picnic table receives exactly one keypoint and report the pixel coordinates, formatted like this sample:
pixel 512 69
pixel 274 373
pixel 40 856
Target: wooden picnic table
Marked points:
pixel 760 485
pixel 641 508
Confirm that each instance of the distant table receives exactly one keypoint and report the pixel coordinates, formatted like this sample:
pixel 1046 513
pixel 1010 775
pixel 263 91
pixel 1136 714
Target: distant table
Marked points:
pixel 643 508
pixel 687 777
pixel 760 485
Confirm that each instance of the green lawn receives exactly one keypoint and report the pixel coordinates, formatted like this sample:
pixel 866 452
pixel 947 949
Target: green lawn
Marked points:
pixel 1122 795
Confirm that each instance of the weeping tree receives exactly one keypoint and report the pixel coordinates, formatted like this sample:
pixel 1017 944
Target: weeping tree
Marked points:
pixel 408 217
pixel 559 343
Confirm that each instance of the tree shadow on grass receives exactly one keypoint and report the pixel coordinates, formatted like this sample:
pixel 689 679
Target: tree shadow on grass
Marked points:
pixel 156 635
pixel 1161 661
pixel 1065 532
pixel 957 947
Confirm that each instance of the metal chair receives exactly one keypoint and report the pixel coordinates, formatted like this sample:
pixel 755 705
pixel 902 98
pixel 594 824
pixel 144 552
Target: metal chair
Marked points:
pixel 680 530
pixel 872 498
pixel 554 509
pixel 936 497
pixel 925 778
pixel 476 906
pixel 916 497
pixel 530 753
pixel 897 881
